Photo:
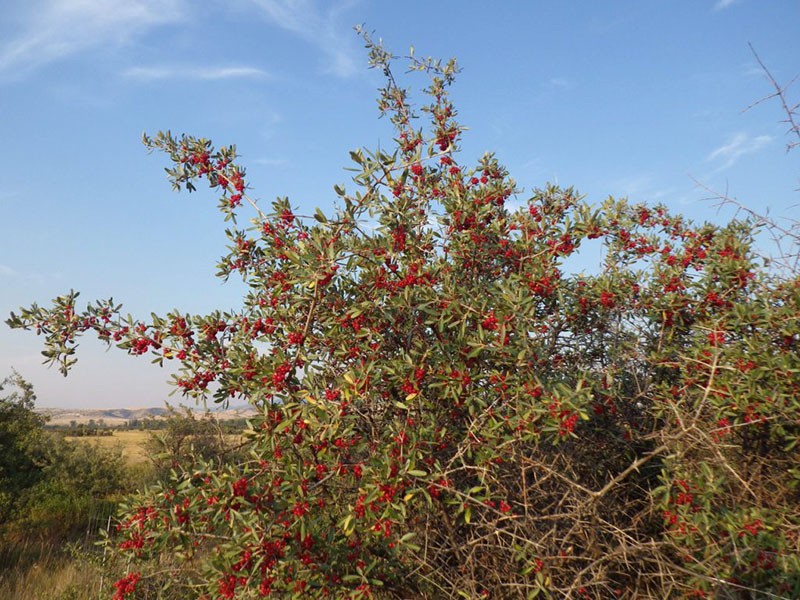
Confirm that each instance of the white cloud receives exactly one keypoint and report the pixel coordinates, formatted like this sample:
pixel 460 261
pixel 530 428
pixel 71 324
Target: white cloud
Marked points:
pixel 270 162
pixel 318 24
pixel 560 83
pixel 723 4
pixel 634 185
pixel 752 70
pixel 531 169
pixel 739 145
pixel 52 30
pixel 196 73
pixel 639 187
pixel 7 272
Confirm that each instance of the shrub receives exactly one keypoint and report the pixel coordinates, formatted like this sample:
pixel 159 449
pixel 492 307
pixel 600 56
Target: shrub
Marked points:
pixel 20 431
pixel 446 411
pixel 49 486
pixel 54 492
pixel 78 488
pixel 184 438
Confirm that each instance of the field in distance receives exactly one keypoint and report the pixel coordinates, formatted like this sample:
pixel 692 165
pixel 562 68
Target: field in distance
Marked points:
pixel 131 429
pixel 131 441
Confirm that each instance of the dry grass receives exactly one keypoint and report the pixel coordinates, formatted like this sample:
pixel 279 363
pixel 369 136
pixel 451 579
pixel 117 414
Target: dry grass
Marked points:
pixel 56 579
pixel 131 442
pixel 44 572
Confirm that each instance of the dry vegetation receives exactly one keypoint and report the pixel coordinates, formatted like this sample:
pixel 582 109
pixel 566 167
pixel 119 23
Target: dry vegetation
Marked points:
pixel 52 576
pixel 51 552
pixel 131 443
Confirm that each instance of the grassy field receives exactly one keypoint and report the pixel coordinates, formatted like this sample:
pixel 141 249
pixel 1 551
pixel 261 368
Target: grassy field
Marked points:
pixel 131 442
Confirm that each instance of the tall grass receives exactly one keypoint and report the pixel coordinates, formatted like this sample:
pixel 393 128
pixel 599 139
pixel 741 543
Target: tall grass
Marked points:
pixel 43 571
pixel 57 563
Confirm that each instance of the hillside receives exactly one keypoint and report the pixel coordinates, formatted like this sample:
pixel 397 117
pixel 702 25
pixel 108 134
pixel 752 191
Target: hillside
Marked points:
pixel 120 416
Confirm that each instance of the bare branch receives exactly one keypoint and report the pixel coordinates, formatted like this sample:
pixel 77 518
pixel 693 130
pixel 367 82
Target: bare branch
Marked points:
pixel 780 93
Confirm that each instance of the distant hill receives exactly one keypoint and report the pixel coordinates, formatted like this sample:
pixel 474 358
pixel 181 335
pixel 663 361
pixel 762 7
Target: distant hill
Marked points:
pixel 120 416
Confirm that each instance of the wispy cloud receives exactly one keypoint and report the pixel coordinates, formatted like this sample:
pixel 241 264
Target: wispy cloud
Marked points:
pixel 739 145
pixel 560 83
pixel 194 73
pixel 270 162
pixel 318 23
pixel 634 185
pixel 723 4
pixel 52 30
pixel 639 187
pixel 7 272
pixel 533 168
pixel 752 69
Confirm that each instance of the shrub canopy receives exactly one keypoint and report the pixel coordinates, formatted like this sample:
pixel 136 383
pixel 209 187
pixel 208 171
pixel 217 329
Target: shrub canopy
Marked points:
pixel 447 411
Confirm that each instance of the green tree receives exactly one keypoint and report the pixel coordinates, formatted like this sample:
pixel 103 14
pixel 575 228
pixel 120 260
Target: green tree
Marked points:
pixel 79 486
pixel 20 431
pixel 49 486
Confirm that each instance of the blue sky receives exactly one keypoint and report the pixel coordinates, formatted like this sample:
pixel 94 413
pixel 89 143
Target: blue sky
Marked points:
pixel 628 98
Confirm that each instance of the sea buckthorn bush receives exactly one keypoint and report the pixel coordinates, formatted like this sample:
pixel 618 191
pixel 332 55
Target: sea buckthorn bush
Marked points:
pixel 447 411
